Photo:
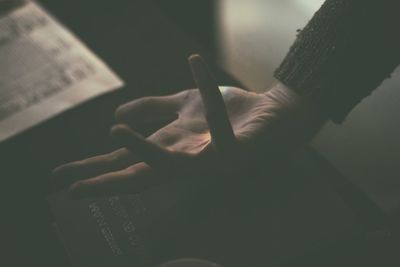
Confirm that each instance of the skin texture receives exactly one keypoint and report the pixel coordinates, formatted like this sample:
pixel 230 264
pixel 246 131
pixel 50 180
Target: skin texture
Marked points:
pixel 210 130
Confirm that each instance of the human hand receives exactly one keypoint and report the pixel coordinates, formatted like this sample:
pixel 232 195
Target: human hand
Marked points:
pixel 210 130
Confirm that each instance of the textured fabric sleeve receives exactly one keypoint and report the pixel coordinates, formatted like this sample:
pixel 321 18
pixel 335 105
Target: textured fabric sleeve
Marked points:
pixel 347 49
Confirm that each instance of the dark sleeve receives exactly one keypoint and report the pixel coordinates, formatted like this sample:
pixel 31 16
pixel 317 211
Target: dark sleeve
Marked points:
pixel 347 49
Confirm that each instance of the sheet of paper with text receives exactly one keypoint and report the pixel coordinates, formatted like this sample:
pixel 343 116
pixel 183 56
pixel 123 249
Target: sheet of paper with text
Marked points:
pixel 44 70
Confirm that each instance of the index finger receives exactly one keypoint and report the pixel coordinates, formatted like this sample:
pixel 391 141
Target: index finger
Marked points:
pixel 216 115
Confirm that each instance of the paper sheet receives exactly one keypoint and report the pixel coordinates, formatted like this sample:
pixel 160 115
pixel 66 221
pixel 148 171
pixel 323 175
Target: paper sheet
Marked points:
pixel 44 70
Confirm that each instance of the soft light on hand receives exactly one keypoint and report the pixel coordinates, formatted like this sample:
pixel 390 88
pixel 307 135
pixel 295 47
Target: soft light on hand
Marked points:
pixel 211 129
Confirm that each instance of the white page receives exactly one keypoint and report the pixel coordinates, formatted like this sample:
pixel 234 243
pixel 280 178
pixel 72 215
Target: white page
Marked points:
pixel 44 70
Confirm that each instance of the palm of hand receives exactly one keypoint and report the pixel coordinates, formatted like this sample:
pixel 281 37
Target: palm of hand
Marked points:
pixel 189 131
pixel 197 137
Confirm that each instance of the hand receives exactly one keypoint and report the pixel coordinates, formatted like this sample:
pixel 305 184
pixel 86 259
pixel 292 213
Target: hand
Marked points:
pixel 210 130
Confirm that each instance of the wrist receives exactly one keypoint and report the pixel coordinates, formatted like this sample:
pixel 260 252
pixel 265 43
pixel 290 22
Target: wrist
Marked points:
pixel 302 110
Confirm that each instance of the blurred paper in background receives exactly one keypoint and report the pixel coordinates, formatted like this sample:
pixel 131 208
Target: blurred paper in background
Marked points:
pixel 44 70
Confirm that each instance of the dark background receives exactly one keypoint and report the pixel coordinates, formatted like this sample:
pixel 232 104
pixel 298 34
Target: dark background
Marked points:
pixel 147 43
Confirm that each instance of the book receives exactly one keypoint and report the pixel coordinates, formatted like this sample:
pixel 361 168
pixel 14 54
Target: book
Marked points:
pixel 44 69
pixel 288 211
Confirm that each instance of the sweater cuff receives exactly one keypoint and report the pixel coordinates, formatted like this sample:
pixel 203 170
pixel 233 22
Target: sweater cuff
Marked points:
pixel 342 55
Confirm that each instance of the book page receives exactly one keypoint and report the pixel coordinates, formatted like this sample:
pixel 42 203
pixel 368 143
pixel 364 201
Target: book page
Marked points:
pixel 44 70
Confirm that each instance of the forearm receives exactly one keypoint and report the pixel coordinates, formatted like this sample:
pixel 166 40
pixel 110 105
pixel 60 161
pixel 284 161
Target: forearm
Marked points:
pixel 346 50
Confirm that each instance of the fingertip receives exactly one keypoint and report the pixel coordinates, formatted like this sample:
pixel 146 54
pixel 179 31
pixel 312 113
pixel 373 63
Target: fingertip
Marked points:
pixel 120 129
pixel 119 114
pixel 123 112
pixel 55 171
pixel 59 177
pixel 197 64
pixel 58 171
pixel 194 58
